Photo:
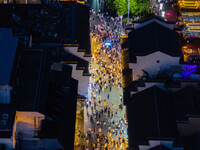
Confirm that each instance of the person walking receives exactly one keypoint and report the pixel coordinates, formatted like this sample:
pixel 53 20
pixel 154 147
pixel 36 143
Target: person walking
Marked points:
pixel 104 76
pixel 94 105
pixel 99 100
pixel 108 113
pixel 92 109
pixel 121 98
pixel 108 96
pixel 97 114
pixel 104 103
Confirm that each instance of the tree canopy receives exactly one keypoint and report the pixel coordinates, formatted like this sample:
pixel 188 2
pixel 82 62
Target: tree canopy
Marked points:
pixel 136 6
pixel 121 6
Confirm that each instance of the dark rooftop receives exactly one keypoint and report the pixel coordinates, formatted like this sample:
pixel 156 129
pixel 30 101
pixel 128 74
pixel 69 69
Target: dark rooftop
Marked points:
pixel 160 147
pixel 192 142
pixel 149 116
pixel 151 38
pixel 8 46
pixel 186 102
pixel 33 80
pixel 154 17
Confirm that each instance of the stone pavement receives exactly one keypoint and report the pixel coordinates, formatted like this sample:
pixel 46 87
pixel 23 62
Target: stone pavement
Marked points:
pixel 113 99
pixel 113 102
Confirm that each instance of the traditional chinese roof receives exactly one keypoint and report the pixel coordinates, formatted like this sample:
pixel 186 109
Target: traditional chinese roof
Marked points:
pixel 149 116
pixel 151 38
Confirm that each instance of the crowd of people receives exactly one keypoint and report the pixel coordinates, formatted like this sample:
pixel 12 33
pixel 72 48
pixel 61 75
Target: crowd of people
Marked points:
pixel 108 122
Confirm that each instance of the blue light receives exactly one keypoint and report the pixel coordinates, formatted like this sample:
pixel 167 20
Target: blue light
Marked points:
pixel 108 43
pixel 187 72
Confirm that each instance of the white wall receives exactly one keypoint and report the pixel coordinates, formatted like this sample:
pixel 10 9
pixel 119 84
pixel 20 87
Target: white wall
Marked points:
pixel 83 81
pixel 149 63
pixel 26 122
pixel 74 51
pixel 5 94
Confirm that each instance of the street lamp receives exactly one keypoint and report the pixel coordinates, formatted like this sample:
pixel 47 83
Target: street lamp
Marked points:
pixel 128 10
pixel 163 14
pixel 161 6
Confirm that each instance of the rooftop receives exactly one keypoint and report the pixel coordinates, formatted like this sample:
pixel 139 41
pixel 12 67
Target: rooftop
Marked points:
pixel 151 38
pixel 8 47
pixel 192 141
pixel 160 147
pixel 186 101
pixel 154 17
pixel 149 115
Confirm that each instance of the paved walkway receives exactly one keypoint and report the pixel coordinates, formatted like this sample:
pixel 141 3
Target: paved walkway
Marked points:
pixel 104 122
pixel 114 99
pixel 113 103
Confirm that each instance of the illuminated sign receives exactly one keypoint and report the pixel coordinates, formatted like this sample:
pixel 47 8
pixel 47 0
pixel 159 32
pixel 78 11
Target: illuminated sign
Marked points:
pixel 108 43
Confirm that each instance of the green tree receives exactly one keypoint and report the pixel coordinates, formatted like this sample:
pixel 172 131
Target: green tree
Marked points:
pixel 121 6
pixel 82 113
pixel 143 7
pixel 111 4
pixel 136 6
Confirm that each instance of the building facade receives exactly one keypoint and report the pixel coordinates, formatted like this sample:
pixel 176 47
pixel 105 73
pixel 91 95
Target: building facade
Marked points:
pixel 47 67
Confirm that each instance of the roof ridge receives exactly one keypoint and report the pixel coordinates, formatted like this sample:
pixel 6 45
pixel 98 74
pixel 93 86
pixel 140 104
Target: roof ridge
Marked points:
pixel 156 109
pixel 155 35
pixel 154 22
pixel 157 18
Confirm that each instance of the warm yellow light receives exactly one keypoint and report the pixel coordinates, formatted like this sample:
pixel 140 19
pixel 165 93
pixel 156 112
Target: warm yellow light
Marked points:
pixel 81 2
pixel 124 37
